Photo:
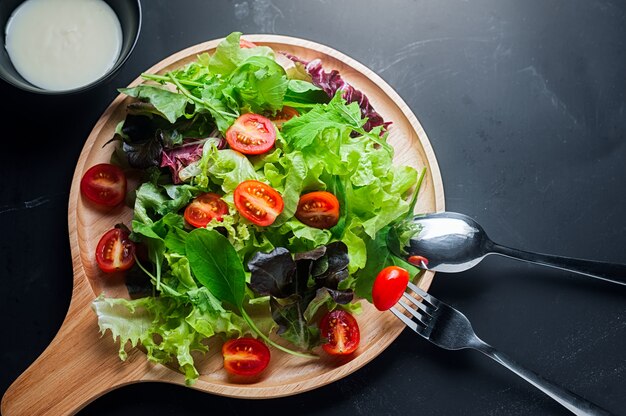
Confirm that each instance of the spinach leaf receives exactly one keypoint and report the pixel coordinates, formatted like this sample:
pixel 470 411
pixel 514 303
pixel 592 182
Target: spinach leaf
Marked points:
pixel 215 264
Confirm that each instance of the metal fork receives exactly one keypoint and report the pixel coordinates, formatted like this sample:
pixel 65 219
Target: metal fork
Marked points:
pixel 448 328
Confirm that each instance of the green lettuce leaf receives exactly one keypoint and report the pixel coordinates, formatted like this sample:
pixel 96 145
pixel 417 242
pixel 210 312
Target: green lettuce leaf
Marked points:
pixel 229 55
pixel 209 317
pixel 258 84
pixel 226 168
pixel 170 321
pixel 170 104
pixel 301 132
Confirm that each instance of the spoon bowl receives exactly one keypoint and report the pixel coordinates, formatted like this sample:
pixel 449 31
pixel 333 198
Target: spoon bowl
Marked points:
pixel 444 242
pixel 451 242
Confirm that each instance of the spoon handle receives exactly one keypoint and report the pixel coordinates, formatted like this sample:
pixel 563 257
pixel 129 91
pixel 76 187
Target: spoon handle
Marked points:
pixel 611 272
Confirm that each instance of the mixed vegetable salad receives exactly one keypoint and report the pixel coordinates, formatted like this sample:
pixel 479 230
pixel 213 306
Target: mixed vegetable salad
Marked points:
pixel 266 193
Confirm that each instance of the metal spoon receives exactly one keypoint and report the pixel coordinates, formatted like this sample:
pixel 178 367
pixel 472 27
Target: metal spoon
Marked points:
pixel 451 242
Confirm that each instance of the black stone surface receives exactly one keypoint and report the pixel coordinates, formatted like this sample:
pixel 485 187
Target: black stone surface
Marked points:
pixel 524 103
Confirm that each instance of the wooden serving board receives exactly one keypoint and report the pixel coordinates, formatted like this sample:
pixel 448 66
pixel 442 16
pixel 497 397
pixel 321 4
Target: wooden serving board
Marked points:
pixel 81 365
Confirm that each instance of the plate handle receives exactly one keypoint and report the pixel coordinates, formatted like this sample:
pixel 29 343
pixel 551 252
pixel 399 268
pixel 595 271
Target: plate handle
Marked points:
pixel 76 368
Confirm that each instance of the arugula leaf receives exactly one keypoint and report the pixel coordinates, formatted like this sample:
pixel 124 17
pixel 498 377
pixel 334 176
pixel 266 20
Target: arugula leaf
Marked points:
pixel 215 264
pixel 216 103
pixel 337 114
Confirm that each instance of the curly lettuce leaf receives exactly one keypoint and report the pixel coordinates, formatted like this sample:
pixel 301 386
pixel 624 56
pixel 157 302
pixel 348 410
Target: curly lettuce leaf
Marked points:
pixel 180 326
pixel 226 168
pixel 229 55
pixel 258 84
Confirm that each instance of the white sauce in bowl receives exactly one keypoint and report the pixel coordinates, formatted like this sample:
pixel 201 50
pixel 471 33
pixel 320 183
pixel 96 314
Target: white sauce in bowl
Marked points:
pixel 63 44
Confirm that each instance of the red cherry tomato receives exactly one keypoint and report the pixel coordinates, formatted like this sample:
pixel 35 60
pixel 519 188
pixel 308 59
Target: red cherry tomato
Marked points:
pixel 318 209
pixel 258 202
pixel 389 287
pixel 284 115
pixel 104 184
pixel 115 251
pixel 245 356
pixel 251 134
pixel 204 208
pixel 342 332
pixel 418 261
pixel 245 44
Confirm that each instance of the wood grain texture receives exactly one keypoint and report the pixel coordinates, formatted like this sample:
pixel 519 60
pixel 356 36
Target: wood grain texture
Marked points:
pixel 80 365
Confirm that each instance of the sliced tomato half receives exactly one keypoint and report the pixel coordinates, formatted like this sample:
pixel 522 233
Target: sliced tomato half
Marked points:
pixel 204 208
pixel 115 251
pixel 318 209
pixel 245 356
pixel 283 116
pixel 258 202
pixel 251 134
pixel 104 184
pixel 342 332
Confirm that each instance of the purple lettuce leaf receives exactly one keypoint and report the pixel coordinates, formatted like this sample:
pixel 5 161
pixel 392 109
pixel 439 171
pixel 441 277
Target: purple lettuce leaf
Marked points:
pixel 179 157
pixel 331 82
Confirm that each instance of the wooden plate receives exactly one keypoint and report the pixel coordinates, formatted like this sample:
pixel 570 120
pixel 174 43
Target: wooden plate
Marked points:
pixel 80 365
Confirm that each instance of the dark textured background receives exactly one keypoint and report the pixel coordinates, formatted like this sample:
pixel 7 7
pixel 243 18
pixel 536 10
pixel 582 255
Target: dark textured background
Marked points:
pixel 524 104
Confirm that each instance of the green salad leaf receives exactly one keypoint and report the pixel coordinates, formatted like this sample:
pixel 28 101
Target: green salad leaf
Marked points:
pixel 216 265
pixel 170 104
pixel 229 55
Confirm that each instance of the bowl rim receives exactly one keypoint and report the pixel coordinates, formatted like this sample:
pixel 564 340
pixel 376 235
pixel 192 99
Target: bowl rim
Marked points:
pixel 112 71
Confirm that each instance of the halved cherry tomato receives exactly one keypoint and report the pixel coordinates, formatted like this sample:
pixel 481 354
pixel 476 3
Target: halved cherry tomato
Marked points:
pixel 245 356
pixel 251 134
pixel 258 202
pixel 204 208
pixel 318 209
pixel 115 251
pixel 389 287
pixel 244 44
pixel 284 115
pixel 104 184
pixel 342 332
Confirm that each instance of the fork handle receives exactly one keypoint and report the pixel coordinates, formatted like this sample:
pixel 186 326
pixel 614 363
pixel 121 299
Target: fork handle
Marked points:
pixel 571 401
pixel 611 272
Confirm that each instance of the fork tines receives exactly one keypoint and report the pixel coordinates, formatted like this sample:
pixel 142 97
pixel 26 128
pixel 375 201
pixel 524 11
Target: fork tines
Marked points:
pixel 421 310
